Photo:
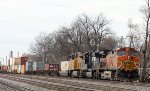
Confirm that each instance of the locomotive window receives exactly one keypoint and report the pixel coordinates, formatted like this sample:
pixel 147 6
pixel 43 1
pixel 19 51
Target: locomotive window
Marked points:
pixel 121 52
pixel 72 57
pixel 81 57
pixel 101 52
pixel 133 53
pixel 86 55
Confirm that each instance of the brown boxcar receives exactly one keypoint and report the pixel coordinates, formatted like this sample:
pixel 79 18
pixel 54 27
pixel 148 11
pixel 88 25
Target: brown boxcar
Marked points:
pixel 24 60
pixel 51 69
pixel 4 68
pixel 53 66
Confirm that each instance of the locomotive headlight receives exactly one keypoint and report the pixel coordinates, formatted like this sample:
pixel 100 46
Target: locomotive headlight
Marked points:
pixel 128 57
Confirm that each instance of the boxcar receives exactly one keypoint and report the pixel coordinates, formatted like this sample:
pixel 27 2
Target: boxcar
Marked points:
pixel 51 69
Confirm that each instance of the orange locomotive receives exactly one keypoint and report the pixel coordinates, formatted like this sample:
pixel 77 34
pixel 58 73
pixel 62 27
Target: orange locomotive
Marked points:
pixel 123 62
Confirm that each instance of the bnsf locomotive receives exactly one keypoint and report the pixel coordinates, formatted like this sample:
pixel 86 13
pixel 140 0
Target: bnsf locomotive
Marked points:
pixel 104 64
pixel 123 63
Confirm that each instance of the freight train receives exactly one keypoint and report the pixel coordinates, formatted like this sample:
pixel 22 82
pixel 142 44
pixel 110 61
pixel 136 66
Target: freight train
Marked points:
pixel 122 63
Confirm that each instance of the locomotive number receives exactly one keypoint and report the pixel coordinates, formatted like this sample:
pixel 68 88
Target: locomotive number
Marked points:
pixel 127 62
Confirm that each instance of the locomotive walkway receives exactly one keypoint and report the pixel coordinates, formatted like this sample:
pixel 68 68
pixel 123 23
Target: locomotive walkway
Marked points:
pixel 41 83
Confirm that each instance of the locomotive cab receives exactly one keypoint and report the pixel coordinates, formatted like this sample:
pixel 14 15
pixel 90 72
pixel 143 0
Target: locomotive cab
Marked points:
pixel 87 59
pixel 128 62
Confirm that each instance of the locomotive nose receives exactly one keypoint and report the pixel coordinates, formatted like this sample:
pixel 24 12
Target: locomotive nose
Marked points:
pixel 129 65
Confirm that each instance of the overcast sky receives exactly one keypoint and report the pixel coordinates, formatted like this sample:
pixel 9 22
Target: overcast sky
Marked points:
pixel 22 20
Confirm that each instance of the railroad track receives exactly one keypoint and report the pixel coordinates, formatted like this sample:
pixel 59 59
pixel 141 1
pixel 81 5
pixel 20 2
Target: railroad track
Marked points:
pixel 46 84
pixel 8 84
pixel 4 86
pixel 67 84
pixel 84 79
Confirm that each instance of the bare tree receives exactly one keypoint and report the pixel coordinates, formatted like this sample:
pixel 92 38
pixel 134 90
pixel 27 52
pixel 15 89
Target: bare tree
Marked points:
pixel 100 27
pixel 86 29
pixel 84 20
pixel 121 41
pixel 134 35
pixel 109 42
pixel 146 12
pixel 42 46
pixel 57 46
pixel 72 34
pixel 62 47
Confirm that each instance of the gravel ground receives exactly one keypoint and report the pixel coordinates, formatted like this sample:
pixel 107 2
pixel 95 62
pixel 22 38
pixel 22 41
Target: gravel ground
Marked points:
pixel 13 85
pixel 97 83
pixel 40 83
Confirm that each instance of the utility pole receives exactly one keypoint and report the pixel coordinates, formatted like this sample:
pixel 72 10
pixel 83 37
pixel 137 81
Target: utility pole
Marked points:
pixel 148 56
pixel 146 12
pixel 18 54
pixel 6 60
pixel 145 52
pixel 3 61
